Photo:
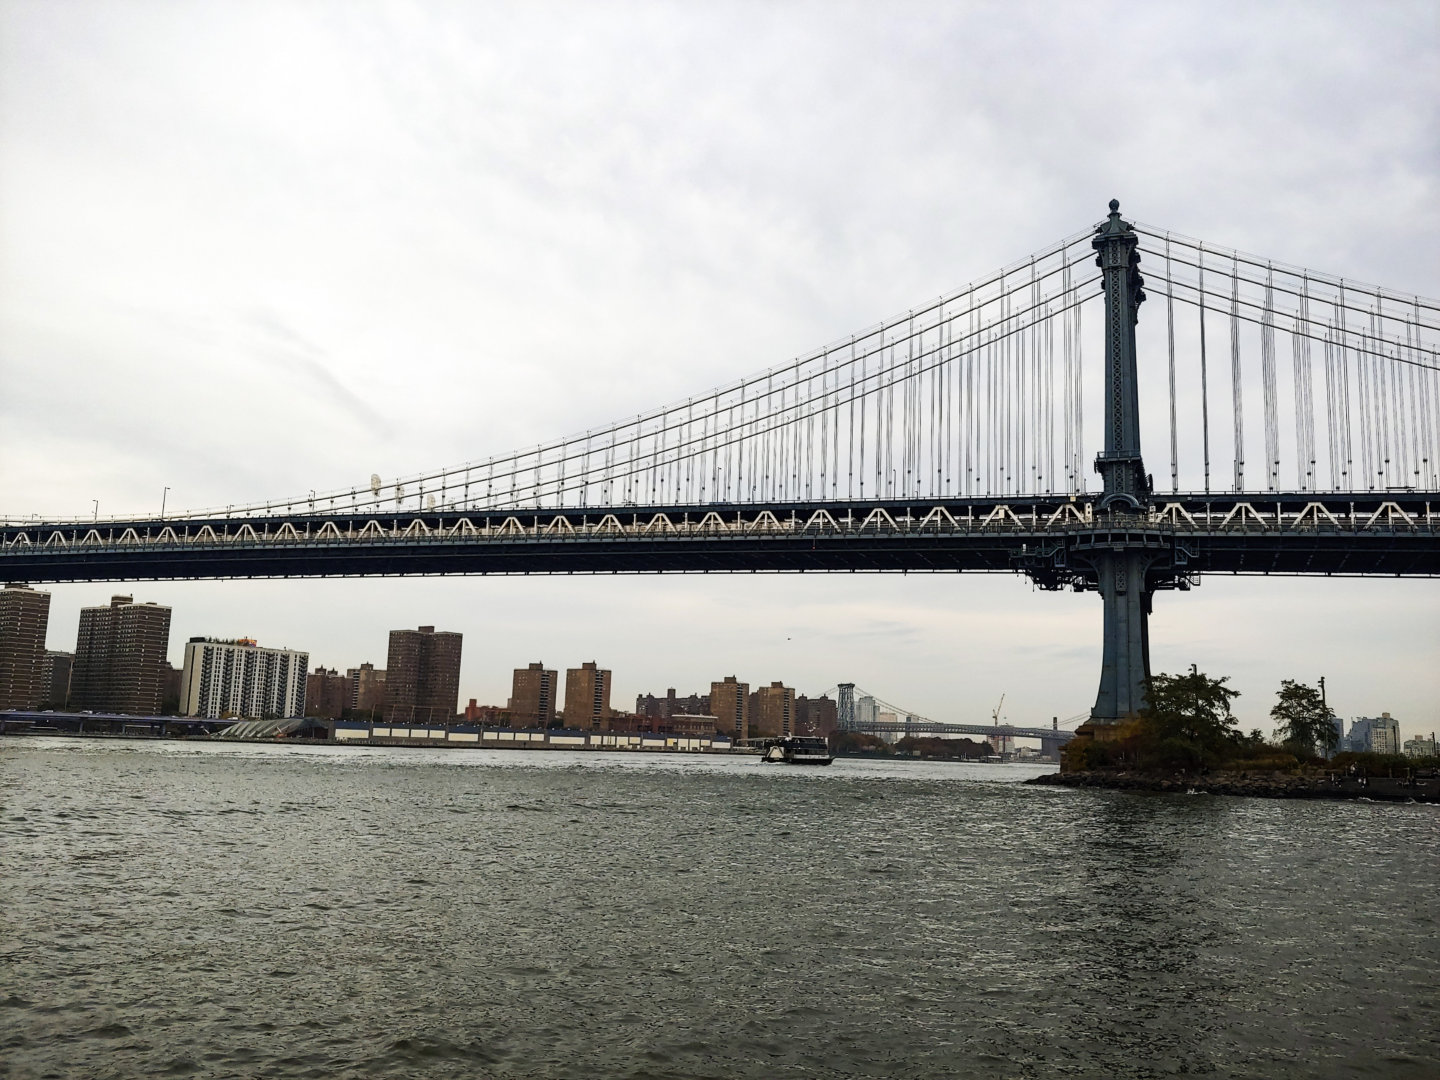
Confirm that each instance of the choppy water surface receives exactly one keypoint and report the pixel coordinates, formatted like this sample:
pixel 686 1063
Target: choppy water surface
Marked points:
pixel 174 909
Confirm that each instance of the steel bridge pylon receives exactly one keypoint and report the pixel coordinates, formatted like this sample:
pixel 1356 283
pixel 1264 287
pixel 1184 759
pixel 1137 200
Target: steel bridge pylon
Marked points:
pixel 1126 572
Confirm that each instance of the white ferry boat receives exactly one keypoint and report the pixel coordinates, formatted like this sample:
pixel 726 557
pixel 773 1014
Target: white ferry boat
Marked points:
pixel 797 750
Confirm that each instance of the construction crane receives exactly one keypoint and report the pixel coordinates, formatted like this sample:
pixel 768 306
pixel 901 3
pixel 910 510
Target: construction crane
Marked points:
pixel 1003 743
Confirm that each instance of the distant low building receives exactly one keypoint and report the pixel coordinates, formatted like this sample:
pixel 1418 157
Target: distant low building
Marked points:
pixel 490 716
pixel 662 708
pixel 619 720
pixel 1420 746
pixel 691 724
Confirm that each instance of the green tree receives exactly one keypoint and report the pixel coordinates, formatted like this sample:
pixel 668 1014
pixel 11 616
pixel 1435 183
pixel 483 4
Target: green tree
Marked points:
pixel 1305 721
pixel 1188 719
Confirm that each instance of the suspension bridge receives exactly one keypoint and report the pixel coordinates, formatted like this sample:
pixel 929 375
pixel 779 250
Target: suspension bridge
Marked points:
pixel 1300 411
pixel 859 710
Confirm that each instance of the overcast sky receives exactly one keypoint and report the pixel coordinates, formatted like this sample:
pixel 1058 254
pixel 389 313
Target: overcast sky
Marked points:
pixel 249 250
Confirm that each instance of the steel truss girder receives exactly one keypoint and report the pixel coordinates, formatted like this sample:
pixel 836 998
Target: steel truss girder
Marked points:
pixel 1045 537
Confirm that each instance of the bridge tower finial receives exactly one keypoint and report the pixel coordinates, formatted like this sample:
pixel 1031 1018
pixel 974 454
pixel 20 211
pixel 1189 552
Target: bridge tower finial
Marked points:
pixel 1119 462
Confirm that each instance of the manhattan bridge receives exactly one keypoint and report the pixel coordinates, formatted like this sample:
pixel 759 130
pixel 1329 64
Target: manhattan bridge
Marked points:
pixel 1297 415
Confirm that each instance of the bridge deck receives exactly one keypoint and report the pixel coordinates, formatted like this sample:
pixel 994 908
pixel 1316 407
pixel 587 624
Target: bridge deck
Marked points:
pixel 1378 534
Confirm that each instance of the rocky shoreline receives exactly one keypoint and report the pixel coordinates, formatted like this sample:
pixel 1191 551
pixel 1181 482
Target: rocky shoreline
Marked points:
pixel 1264 786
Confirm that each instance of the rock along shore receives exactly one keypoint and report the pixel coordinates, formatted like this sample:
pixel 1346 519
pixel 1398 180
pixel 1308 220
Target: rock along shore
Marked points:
pixel 1264 786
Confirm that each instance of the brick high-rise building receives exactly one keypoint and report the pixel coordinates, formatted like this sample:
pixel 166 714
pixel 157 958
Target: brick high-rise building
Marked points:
pixel 173 676
pixel 239 678
pixel 815 716
pixel 587 697
pixel 55 672
pixel 532 695
pixel 730 705
pixel 120 654
pixel 422 676
pixel 24 619
pixel 772 711
pixel 367 688
pixel 327 693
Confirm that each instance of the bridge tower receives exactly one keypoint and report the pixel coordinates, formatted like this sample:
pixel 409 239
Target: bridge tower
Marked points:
pixel 845 707
pixel 1122 566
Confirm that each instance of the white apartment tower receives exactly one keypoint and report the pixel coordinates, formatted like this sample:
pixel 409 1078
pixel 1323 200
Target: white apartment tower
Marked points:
pixel 238 678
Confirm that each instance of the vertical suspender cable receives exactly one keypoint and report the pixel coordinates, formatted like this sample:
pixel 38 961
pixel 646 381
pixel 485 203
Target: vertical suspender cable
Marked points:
pixel 1380 384
pixel 1079 399
pixel 1204 381
pixel 1267 374
pixel 1236 398
pixel 1425 418
pixel 1347 440
pixel 1050 402
pixel 1068 388
pixel 1170 342
pixel 1362 394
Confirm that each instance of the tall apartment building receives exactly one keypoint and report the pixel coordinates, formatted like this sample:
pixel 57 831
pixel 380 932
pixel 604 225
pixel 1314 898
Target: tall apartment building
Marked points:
pixel 24 620
pixel 867 711
pixel 327 693
pixel 55 671
pixel 120 655
pixel 422 676
pixel 171 676
pixel 1384 734
pixel 587 697
pixel 532 695
pixel 772 711
pixel 367 688
pixel 815 716
pixel 730 705
pixel 1374 734
pixel 239 678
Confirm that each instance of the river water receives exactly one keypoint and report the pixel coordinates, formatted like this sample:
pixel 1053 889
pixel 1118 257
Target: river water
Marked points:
pixel 174 909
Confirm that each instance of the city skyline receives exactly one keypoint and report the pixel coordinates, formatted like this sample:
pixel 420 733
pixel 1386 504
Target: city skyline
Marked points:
pixel 526 244
pixel 496 671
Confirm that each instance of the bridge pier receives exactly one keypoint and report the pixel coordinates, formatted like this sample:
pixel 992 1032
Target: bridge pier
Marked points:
pixel 1125 661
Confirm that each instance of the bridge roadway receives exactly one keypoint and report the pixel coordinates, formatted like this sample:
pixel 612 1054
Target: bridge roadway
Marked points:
pixel 1392 533
pixel 932 727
